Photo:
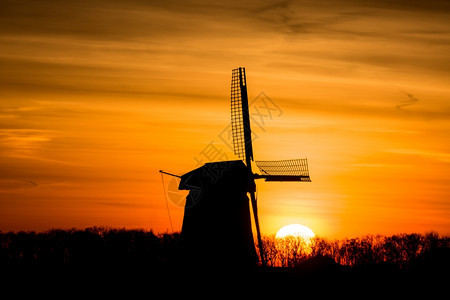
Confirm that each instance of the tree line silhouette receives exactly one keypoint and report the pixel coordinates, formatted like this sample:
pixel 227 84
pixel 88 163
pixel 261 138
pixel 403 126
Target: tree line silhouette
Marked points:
pixel 91 246
pixel 400 251
pixel 109 246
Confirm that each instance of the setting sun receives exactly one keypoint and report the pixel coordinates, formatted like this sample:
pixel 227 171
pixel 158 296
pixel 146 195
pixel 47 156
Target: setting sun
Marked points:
pixel 295 230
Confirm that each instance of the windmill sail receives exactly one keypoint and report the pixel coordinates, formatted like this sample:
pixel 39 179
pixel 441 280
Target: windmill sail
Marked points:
pixel 240 121
pixel 284 170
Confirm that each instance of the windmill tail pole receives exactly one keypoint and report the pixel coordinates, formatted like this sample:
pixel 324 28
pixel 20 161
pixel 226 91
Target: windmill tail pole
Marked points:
pixel 258 231
pixel 161 171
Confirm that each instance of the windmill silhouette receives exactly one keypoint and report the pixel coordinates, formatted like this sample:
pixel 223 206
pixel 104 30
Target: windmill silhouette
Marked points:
pixel 217 220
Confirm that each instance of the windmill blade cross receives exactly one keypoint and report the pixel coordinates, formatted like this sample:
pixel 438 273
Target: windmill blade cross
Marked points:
pixel 242 139
pixel 283 170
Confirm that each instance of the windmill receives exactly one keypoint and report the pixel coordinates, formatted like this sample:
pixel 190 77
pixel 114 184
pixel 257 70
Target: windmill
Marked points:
pixel 217 207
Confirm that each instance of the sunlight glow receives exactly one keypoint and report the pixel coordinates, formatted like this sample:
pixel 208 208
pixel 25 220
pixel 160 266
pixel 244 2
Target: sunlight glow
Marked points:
pixel 295 230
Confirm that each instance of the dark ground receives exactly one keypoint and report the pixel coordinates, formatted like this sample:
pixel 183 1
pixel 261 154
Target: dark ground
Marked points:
pixel 318 278
pixel 106 262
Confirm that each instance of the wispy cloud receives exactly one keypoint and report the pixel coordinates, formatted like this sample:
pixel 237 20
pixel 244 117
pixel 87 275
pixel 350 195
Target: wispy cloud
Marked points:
pixel 23 143
pixel 11 184
pixel 410 101
pixel 439 156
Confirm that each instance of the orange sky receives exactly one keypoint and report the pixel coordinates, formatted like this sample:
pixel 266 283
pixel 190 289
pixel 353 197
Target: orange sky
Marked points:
pixel 97 96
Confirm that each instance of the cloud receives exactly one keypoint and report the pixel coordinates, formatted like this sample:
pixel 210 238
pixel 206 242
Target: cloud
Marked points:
pixel 410 101
pixel 117 20
pixel 438 156
pixel 119 46
pixel 23 143
pixel 12 184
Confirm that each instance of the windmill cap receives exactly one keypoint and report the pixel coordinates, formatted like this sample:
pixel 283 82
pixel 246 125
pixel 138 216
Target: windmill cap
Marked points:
pixel 227 174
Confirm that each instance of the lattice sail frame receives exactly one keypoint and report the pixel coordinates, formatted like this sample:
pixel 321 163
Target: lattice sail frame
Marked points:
pixel 237 122
pixel 296 169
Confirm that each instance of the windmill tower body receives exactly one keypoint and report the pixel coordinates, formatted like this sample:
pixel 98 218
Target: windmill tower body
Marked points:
pixel 216 225
pixel 217 219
